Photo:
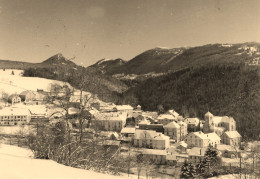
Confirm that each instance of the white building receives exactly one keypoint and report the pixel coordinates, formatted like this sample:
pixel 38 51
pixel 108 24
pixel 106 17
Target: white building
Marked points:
pixel 165 119
pixel 109 121
pixel 14 116
pixel 124 109
pixel 218 124
pixel 151 139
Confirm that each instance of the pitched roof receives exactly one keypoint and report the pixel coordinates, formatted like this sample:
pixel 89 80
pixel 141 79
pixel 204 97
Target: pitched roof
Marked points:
pixel 222 147
pixel 109 116
pixel 14 111
pixel 200 134
pixel 182 123
pixel 124 107
pixel 173 112
pixel 194 121
pixel 161 137
pixel 27 92
pixel 232 134
pixel 213 136
pixel 208 114
pixel 149 134
pixel 172 125
pixel 154 152
pixel 145 122
pixel 140 134
pixel 128 130
pixel 183 144
pixel 197 151
pixel 165 116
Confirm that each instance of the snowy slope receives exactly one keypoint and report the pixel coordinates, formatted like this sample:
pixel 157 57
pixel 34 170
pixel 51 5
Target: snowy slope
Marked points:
pixel 17 163
pixel 17 83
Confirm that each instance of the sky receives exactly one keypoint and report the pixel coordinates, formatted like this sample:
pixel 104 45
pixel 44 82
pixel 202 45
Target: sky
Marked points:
pixel 89 30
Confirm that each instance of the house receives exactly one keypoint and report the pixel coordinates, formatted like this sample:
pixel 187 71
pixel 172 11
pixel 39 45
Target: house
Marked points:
pixel 172 130
pixel 176 158
pixel 228 151
pixel 38 114
pixel 182 147
pixel 183 129
pixel 197 154
pixel 151 139
pixel 214 139
pixel 197 139
pixel 146 125
pixel 138 119
pixel 14 116
pixel 173 113
pixel 128 131
pixel 109 121
pixel 27 96
pixel 165 119
pixel 193 124
pixel 232 138
pixel 218 124
pixel 156 156
pixel 14 99
pixel 124 109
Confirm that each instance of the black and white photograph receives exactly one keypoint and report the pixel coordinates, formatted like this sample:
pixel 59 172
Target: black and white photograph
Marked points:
pixel 129 89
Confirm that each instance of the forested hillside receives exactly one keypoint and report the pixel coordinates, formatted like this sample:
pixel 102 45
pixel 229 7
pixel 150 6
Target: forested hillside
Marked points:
pixel 229 89
pixel 89 79
pixel 161 60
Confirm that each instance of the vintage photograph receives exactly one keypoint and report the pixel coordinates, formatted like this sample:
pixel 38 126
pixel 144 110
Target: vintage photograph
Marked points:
pixel 129 89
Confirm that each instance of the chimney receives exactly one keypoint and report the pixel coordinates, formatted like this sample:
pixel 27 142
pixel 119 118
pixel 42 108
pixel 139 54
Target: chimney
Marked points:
pixel 200 151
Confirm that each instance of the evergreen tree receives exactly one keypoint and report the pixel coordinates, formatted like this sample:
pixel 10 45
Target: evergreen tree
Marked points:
pixel 185 170
pixel 210 162
pixel 188 170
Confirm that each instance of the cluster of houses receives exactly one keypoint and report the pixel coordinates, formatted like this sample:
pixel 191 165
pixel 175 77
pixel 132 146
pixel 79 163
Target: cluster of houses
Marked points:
pixel 169 138
pixel 165 139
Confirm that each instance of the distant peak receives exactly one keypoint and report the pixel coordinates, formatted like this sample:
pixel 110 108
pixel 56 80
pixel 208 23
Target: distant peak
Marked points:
pixel 57 58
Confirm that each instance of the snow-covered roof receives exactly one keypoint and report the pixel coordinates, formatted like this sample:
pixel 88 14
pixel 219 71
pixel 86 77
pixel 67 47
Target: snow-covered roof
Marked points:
pixel 154 152
pixel 200 134
pixel 213 137
pixel 194 121
pixel 145 122
pixel 183 144
pixel 222 147
pixel 142 134
pixel 14 111
pixel 182 123
pixel 124 107
pixel 172 125
pixel 165 116
pixel 232 134
pixel 128 130
pixel 113 116
pixel 208 114
pixel 174 113
pixel 27 92
pixel 161 137
pixel 197 151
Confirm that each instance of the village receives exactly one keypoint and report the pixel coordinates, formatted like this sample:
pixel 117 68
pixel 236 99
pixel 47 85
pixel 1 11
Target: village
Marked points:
pixel 166 139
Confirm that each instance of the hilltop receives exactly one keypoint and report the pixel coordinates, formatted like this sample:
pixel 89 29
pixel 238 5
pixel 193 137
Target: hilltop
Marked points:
pixel 58 67
pixel 162 60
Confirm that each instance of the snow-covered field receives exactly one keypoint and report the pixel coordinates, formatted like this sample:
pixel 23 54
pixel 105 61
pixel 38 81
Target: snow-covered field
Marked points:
pixel 17 163
pixel 17 83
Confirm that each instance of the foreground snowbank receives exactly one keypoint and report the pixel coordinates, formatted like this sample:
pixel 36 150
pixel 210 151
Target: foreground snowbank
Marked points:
pixel 17 163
